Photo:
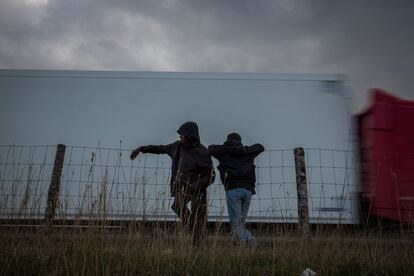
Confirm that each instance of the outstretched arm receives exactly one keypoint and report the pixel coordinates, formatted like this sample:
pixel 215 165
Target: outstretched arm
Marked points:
pixel 156 149
pixel 255 149
pixel 216 150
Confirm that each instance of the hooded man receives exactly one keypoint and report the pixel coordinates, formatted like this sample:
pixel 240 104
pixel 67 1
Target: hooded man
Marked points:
pixel 237 173
pixel 191 173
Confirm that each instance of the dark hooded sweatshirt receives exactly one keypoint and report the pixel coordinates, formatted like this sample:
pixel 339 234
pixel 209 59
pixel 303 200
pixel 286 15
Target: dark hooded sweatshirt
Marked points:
pixel 191 163
pixel 237 169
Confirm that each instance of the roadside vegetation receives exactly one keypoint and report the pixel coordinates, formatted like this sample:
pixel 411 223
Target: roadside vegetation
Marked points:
pixel 158 250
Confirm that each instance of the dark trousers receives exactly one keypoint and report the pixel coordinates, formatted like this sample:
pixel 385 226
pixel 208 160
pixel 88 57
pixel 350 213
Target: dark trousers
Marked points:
pixel 194 219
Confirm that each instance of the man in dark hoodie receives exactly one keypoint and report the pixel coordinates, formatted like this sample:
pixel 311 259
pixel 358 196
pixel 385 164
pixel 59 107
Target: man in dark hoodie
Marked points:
pixel 237 173
pixel 191 173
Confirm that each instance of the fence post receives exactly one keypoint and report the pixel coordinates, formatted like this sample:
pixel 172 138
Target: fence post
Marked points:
pixel 54 188
pixel 302 192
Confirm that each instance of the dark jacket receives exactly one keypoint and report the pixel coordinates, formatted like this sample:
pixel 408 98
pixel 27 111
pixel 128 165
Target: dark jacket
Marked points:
pixel 237 169
pixel 191 164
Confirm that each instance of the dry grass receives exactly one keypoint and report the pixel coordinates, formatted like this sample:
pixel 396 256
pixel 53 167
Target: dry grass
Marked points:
pixel 162 251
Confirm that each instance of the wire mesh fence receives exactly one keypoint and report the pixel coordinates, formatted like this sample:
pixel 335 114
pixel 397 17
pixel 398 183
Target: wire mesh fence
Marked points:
pixel 103 183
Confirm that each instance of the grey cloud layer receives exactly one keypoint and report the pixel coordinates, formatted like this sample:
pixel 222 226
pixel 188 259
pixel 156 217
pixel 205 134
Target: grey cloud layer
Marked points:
pixel 371 41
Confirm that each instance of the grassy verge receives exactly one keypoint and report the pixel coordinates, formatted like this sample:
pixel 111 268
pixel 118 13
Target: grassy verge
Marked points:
pixel 134 252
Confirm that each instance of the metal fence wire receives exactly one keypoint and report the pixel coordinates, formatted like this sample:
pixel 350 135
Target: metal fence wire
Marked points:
pixel 101 183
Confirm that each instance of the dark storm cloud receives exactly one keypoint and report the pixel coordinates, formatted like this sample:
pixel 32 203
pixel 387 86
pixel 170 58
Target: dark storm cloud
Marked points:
pixel 370 41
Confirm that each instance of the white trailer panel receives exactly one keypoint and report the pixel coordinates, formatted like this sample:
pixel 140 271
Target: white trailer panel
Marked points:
pixel 93 110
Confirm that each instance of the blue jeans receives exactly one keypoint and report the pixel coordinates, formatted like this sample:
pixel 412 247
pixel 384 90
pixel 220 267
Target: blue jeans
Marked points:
pixel 238 203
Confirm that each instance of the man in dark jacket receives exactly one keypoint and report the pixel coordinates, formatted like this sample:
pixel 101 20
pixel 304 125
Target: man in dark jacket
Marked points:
pixel 191 173
pixel 237 172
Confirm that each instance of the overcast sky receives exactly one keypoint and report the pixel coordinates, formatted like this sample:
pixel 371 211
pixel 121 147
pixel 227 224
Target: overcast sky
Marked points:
pixel 371 41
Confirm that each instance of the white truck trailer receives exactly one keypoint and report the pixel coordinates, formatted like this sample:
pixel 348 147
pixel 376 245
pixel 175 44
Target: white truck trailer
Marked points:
pixel 102 115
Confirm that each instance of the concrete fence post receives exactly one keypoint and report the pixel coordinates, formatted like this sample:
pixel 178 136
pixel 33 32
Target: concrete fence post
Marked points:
pixel 302 192
pixel 54 188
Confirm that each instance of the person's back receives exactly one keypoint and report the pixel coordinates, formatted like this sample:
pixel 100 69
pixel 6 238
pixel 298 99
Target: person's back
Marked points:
pixel 237 169
pixel 237 173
